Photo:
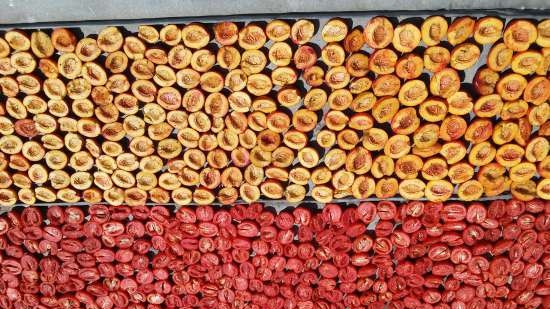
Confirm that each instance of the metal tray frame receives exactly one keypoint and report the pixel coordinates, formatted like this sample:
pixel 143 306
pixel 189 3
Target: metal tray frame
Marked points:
pixel 355 18
pixel 506 13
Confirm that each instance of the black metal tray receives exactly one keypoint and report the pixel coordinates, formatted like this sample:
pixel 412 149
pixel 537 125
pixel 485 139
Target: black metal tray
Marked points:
pixel 90 27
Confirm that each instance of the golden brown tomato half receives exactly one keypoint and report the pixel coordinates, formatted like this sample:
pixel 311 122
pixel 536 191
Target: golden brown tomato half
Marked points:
pixel 499 57
pixel 464 56
pixel 526 62
pixel 63 40
pixel 305 57
pixel 537 90
pixel 383 61
pixel 460 30
pixel 485 81
pixel 252 37
pixel 434 30
pixel 543 29
pixel 378 32
pixel 335 30
pixel 406 37
pixel 445 83
pixel 520 34
pixel 510 87
pixel 409 66
pixel 413 92
pixel 354 41
pixel 226 33
pixel 488 30
pixel 436 58
pixel 277 30
pixel 302 31
pixel 357 64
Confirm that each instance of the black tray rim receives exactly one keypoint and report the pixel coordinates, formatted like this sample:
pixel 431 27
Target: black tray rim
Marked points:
pixel 502 12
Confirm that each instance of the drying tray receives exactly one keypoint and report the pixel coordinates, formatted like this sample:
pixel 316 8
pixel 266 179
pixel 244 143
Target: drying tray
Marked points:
pixel 353 19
